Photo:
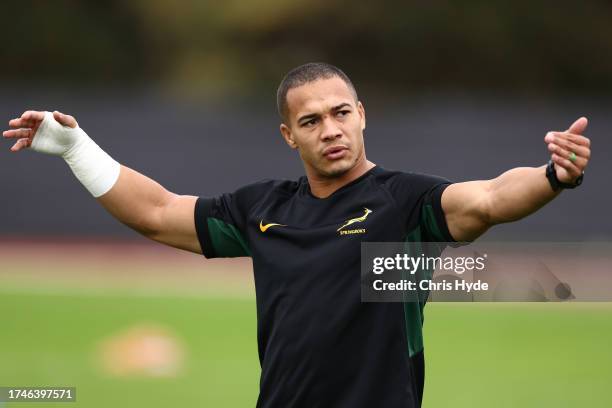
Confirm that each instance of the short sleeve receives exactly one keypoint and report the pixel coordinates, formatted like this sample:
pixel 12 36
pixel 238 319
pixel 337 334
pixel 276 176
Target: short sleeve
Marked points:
pixel 432 220
pixel 220 226
pixel 419 198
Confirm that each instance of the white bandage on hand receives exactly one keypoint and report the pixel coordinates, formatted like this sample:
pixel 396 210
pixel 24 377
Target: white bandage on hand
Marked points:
pixel 94 168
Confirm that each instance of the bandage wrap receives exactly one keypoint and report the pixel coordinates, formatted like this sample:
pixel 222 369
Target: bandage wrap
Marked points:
pixel 91 165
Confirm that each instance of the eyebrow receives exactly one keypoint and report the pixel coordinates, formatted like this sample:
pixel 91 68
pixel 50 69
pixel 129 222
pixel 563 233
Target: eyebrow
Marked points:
pixel 314 115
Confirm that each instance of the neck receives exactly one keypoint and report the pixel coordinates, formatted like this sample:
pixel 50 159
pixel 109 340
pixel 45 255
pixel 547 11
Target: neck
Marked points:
pixel 322 187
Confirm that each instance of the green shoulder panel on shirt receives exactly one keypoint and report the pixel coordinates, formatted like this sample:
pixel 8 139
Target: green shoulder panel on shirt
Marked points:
pixel 428 221
pixel 413 311
pixel 227 241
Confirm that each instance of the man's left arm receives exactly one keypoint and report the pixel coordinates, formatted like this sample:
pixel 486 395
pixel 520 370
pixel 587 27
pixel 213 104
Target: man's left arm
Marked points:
pixel 473 207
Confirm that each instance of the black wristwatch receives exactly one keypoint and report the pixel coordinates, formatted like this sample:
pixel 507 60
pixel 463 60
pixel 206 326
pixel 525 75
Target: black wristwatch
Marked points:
pixel 556 185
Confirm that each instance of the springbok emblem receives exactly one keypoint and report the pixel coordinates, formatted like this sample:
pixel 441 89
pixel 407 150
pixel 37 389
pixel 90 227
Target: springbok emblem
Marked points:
pixel 358 219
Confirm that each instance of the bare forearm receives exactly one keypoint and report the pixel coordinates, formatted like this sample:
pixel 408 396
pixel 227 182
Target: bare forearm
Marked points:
pixel 136 201
pixel 517 193
pixel 473 207
pixel 145 206
pixel 129 196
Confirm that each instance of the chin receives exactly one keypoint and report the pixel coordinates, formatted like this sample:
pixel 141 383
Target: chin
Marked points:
pixel 337 169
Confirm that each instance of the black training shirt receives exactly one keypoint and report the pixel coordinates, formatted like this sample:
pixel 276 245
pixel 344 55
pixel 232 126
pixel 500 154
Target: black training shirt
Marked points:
pixel 319 345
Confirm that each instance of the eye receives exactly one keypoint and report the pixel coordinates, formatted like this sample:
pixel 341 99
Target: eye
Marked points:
pixel 343 113
pixel 309 123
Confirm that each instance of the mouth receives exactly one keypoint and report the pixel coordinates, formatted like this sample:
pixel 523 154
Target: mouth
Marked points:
pixel 335 152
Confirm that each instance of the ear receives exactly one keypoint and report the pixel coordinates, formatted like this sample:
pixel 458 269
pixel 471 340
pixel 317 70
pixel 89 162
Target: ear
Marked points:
pixel 361 111
pixel 288 136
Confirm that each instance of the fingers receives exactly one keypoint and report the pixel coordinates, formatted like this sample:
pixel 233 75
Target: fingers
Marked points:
pixel 580 161
pixel 18 133
pixel 565 144
pixel 28 119
pixel 558 137
pixel 580 150
pixel 31 119
pixel 18 122
pixel 570 167
pixel 33 115
pixel 65 120
pixel 21 144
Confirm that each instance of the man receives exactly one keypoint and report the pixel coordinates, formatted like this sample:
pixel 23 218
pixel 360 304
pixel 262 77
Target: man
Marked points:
pixel 319 345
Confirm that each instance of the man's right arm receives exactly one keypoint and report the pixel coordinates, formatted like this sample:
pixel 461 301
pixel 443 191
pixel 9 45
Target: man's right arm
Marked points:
pixel 132 198
pixel 145 206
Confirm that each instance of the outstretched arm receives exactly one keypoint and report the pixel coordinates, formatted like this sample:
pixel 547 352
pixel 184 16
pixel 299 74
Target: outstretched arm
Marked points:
pixel 145 206
pixel 129 196
pixel 473 207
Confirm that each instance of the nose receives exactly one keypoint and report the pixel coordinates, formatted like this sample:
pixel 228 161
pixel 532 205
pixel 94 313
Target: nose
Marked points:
pixel 330 130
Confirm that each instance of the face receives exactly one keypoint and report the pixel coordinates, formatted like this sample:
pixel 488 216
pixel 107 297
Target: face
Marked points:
pixel 326 126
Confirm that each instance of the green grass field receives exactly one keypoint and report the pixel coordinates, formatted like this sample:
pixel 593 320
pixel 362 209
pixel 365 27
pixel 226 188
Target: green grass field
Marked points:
pixel 478 355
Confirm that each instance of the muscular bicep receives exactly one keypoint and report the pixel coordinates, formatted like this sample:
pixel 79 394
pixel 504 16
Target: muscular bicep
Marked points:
pixel 466 209
pixel 176 226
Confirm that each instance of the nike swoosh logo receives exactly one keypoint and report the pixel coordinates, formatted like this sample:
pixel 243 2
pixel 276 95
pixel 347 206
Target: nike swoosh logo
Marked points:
pixel 264 228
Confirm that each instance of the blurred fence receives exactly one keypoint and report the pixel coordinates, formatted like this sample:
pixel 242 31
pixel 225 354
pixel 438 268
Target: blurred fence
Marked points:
pixel 207 147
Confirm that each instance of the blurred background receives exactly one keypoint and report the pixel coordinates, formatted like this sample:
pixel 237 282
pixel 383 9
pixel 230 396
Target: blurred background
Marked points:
pixel 185 93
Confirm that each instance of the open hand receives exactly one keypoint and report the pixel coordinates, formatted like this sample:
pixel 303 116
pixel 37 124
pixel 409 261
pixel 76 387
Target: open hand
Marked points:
pixel 29 130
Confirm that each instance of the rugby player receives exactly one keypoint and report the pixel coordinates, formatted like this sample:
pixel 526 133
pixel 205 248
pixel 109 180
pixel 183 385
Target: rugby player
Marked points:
pixel 319 345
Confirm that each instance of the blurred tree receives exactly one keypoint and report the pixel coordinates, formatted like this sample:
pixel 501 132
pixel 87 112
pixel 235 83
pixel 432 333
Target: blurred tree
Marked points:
pixel 247 44
pixel 72 42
